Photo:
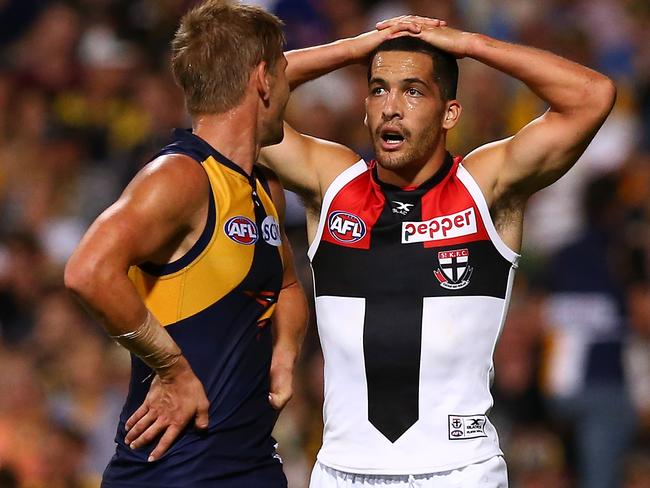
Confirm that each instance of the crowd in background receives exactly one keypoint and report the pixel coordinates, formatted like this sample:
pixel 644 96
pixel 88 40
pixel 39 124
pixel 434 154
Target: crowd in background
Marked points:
pixel 86 98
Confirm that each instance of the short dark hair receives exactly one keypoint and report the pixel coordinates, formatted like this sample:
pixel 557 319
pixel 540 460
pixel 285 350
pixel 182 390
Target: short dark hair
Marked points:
pixel 445 66
pixel 216 48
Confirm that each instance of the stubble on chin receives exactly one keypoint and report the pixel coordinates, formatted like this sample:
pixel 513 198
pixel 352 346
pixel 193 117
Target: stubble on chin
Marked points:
pixel 393 160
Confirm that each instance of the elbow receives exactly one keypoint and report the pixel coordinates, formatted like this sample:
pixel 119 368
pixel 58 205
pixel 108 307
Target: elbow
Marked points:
pixel 76 276
pixel 80 277
pixel 604 96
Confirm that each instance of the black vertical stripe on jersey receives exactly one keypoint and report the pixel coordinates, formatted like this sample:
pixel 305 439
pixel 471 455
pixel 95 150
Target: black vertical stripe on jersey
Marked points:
pixel 392 338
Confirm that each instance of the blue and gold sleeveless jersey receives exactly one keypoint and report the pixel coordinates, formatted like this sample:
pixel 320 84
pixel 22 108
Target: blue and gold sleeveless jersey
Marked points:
pixel 215 302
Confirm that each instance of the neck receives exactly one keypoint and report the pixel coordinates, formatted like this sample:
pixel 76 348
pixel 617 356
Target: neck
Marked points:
pixel 232 133
pixel 415 172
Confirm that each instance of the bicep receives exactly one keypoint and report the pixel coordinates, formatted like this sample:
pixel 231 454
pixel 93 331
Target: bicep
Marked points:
pixel 305 164
pixel 543 151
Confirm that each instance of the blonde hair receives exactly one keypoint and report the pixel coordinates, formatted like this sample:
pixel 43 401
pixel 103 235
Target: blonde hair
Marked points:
pixel 216 48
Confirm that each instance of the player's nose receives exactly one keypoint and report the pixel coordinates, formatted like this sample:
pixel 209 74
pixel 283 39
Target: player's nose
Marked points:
pixel 392 107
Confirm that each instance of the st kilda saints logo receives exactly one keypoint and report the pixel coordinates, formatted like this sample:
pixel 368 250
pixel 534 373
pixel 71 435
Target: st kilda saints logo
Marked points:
pixel 242 230
pixel 454 270
pixel 346 227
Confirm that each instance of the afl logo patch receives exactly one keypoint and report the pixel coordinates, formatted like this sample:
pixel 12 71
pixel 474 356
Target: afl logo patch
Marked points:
pixel 346 227
pixel 242 230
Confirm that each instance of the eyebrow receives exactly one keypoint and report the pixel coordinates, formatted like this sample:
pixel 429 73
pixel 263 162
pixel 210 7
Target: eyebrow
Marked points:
pixel 414 80
pixel 376 79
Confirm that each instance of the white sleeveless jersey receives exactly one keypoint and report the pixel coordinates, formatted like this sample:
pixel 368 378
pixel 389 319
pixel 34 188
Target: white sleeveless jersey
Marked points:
pixel 411 293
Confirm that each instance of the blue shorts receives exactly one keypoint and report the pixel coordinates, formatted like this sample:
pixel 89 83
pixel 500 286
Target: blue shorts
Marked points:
pixel 270 476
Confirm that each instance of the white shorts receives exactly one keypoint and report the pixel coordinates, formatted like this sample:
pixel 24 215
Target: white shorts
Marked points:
pixel 487 474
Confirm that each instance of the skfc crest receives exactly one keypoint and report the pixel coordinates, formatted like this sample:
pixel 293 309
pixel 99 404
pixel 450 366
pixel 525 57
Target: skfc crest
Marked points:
pixel 242 230
pixel 346 227
pixel 454 271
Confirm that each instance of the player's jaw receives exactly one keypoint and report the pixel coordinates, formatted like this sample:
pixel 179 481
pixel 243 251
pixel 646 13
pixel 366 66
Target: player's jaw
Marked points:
pixel 397 147
pixel 274 126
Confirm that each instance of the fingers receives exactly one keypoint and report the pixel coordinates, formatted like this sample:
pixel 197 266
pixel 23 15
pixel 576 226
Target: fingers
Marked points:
pixel 137 415
pixel 277 403
pixel 202 420
pixel 133 437
pixel 165 442
pixel 149 434
pixel 279 400
pixel 405 20
pixel 404 27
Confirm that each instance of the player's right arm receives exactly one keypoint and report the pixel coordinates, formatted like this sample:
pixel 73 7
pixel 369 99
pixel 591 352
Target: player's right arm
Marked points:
pixel 156 212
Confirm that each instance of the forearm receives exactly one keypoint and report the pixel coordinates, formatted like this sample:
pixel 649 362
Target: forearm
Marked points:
pixel 289 325
pixel 312 62
pixel 111 297
pixel 563 84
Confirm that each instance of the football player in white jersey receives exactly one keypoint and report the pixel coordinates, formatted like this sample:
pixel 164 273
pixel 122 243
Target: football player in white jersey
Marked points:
pixel 409 110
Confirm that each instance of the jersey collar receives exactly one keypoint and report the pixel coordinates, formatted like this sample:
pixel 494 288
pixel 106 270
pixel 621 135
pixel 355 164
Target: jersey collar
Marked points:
pixel 437 177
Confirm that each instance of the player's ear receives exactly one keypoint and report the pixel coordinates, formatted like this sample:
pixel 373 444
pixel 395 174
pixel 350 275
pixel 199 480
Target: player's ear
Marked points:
pixel 451 115
pixel 262 80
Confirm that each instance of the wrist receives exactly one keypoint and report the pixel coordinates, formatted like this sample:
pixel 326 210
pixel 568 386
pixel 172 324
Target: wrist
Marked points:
pixel 151 343
pixel 172 371
pixel 474 44
pixel 348 51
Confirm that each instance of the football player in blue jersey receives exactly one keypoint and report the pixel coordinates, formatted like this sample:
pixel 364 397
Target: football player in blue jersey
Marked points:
pixel 171 277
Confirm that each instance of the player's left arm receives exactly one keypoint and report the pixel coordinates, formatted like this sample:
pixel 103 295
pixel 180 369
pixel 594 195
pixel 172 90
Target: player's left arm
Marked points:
pixel 579 100
pixel 289 320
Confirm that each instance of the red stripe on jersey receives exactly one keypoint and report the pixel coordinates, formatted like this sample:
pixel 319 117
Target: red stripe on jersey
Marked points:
pixel 353 212
pixel 455 213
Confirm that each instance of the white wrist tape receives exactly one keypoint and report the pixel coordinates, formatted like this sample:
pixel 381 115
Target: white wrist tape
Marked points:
pixel 151 343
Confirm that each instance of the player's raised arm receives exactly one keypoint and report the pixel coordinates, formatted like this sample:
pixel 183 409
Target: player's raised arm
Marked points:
pixel 311 62
pixel 579 101
pixel 153 215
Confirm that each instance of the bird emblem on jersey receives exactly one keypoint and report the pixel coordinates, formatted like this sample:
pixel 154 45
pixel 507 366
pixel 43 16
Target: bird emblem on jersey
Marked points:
pixel 454 271
pixel 264 298
pixel 401 207
pixel 267 299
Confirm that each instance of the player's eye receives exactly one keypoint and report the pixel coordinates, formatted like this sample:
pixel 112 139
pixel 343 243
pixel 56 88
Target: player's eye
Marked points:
pixel 378 90
pixel 413 92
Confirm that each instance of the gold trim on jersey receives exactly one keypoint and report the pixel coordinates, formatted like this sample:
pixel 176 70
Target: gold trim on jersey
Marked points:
pixel 221 266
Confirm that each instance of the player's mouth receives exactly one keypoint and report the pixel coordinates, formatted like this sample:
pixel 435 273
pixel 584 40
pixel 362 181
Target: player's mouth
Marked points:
pixel 391 138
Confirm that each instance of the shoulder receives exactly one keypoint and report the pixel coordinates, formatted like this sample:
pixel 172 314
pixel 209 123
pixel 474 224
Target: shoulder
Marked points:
pixel 174 183
pixel 484 165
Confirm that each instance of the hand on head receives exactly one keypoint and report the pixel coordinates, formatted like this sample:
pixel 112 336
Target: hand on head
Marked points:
pixel 434 31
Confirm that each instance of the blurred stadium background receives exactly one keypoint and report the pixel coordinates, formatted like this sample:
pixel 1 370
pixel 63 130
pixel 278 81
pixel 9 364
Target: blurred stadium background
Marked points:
pixel 86 97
